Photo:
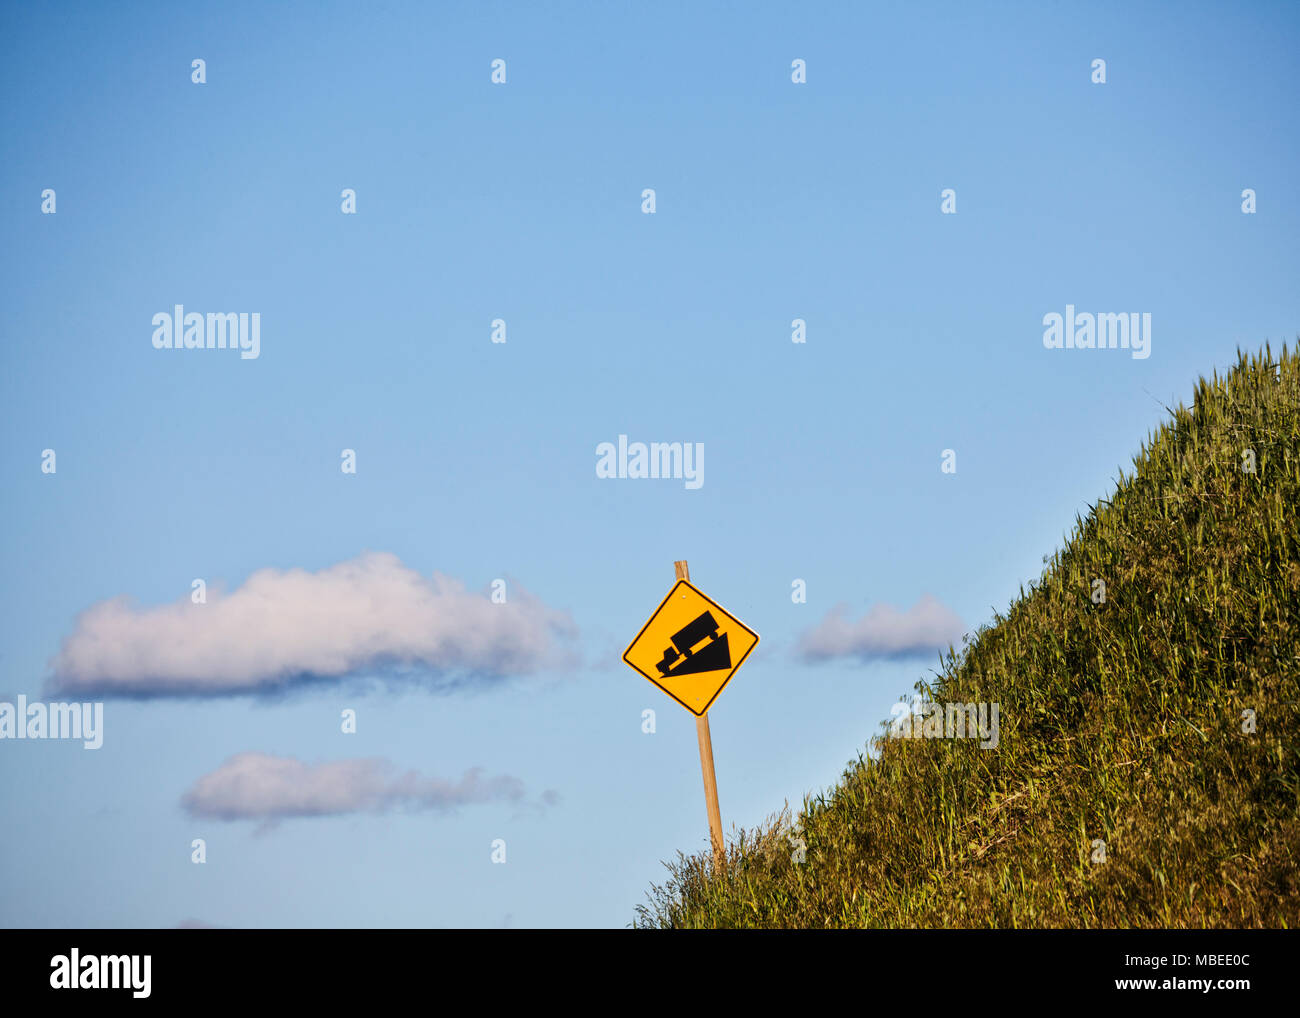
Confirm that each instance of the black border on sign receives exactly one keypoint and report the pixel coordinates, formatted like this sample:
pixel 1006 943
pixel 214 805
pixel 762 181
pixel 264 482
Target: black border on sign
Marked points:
pixel 734 668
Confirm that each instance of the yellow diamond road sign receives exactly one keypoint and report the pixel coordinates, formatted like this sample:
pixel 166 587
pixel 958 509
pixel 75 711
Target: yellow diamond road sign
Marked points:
pixel 691 647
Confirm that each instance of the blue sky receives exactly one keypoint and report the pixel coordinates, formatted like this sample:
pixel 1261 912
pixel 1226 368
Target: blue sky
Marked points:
pixel 476 460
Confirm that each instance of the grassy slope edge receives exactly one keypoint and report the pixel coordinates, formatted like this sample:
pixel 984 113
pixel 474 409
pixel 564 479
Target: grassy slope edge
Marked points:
pixel 1120 721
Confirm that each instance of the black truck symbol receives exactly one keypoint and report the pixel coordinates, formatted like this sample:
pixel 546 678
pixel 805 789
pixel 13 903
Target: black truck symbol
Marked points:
pixel 682 659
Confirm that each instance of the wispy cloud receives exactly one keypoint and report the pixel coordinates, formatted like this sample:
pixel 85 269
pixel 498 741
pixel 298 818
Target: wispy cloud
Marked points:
pixel 259 786
pixel 883 632
pixel 370 613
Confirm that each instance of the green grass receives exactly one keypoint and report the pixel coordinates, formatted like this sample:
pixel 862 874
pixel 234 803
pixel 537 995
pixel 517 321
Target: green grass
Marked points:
pixel 1119 721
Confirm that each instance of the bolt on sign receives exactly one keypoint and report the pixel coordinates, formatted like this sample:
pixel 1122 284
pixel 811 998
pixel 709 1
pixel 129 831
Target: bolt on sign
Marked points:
pixel 691 647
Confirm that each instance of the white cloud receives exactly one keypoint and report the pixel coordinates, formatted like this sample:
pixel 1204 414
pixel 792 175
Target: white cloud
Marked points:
pixel 370 613
pixel 258 786
pixel 884 632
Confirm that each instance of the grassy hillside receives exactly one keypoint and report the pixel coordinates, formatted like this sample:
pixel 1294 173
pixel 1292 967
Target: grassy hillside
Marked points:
pixel 1120 721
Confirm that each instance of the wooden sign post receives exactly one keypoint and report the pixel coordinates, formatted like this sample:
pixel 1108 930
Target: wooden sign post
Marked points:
pixel 690 648
pixel 702 733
